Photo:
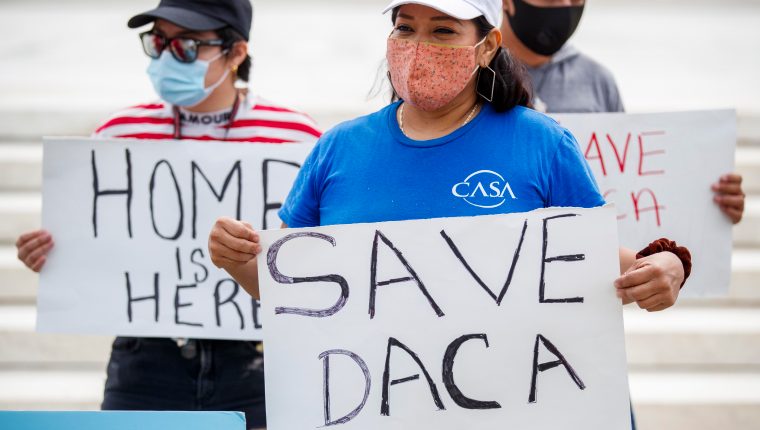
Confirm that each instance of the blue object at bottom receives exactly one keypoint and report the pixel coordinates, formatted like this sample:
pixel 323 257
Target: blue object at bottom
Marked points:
pixel 122 420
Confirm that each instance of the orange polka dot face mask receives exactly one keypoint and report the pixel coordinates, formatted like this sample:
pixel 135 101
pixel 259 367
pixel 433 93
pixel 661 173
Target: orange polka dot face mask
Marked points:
pixel 429 75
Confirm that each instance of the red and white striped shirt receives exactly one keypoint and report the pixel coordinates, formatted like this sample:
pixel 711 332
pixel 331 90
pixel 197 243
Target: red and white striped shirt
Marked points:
pixel 257 121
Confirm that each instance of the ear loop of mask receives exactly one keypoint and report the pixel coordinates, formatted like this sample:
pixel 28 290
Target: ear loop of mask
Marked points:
pixel 477 66
pixel 224 76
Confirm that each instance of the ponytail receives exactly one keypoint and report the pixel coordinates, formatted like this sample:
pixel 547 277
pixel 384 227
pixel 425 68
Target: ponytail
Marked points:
pixel 230 37
pixel 511 86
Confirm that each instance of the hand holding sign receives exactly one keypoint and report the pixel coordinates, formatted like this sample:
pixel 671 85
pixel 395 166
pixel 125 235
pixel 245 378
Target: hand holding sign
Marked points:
pixel 33 248
pixel 729 196
pixel 233 246
pixel 652 282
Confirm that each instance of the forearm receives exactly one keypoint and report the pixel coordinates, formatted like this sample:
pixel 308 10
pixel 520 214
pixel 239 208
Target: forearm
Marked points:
pixel 247 276
pixel 627 258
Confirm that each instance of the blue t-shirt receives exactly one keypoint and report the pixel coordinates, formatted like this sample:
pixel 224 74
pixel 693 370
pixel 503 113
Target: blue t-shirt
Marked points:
pixel 367 170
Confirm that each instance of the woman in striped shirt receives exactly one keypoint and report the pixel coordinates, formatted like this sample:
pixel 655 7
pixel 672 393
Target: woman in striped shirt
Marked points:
pixel 199 51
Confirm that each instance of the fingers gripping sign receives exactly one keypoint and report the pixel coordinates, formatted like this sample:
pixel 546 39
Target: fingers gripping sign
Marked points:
pixel 652 282
pixel 729 196
pixel 33 248
pixel 232 243
pixel 233 246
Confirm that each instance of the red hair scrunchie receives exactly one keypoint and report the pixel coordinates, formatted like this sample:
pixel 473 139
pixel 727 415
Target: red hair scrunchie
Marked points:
pixel 663 245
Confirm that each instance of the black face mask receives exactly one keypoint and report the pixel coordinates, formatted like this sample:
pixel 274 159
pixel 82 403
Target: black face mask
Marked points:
pixel 544 30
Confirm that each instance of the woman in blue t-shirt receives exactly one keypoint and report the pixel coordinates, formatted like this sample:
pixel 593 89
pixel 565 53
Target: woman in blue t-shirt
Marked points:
pixel 459 141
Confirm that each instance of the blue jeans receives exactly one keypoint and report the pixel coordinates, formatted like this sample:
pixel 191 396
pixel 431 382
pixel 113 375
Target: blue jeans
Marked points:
pixel 203 375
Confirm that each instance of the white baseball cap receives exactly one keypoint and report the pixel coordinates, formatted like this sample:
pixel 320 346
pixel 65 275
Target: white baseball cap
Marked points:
pixel 460 9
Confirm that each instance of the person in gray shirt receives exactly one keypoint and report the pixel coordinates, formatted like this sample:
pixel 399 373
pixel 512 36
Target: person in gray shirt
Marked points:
pixel 567 81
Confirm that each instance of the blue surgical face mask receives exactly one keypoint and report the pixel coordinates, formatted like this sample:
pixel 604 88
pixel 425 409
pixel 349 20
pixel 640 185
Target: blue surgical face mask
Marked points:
pixel 182 84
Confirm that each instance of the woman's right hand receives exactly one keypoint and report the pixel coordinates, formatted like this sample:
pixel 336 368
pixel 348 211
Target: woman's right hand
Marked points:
pixel 233 246
pixel 232 243
pixel 33 248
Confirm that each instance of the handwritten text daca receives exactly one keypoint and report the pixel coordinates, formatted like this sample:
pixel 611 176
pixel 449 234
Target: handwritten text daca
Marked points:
pixel 414 279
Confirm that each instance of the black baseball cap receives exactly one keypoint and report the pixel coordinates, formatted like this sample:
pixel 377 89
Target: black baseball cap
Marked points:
pixel 200 15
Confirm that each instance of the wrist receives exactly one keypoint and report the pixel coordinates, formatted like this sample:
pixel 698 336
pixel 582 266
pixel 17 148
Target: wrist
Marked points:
pixel 665 245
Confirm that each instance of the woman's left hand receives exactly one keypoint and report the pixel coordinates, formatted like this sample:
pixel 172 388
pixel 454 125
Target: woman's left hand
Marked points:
pixel 652 282
pixel 729 196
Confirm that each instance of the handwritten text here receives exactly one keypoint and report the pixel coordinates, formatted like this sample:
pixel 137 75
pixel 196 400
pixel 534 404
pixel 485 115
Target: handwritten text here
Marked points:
pixel 131 219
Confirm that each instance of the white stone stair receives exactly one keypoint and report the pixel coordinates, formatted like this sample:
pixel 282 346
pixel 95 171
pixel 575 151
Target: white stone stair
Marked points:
pixel 685 338
pixel 694 367
pixel 708 400
pixel 23 347
pixel 19 212
pixel 672 400
pixel 20 201
pixel 681 338
pixel 19 285
pixel 62 389
pixel 20 166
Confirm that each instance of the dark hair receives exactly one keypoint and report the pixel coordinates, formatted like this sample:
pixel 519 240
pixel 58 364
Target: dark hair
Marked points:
pixel 512 87
pixel 230 37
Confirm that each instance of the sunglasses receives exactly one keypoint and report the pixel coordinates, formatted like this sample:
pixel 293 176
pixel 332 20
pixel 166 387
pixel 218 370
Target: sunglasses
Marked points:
pixel 183 49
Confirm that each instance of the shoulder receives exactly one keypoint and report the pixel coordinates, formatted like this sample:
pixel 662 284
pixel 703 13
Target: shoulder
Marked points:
pixel 135 120
pixel 542 133
pixel 531 123
pixel 594 70
pixel 261 114
pixel 358 130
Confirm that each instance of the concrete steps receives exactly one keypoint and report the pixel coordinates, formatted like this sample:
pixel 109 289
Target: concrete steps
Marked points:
pixel 23 348
pixel 693 338
pixel 696 400
pixel 20 201
pixel 19 285
pixel 747 232
pixel 681 338
pixel 19 212
pixel 20 166
pixel 688 400
pixel 748 130
pixel 696 366
pixel 80 389
pixel 748 164
pixel 28 125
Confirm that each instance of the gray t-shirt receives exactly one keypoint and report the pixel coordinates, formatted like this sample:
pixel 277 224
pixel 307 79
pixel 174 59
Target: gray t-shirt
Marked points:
pixel 572 83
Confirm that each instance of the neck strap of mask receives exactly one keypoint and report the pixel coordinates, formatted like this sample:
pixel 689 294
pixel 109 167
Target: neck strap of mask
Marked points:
pixel 177 135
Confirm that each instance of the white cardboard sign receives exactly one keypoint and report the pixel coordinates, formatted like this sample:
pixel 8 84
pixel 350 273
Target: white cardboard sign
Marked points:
pixel 493 322
pixel 657 169
pixel 130 221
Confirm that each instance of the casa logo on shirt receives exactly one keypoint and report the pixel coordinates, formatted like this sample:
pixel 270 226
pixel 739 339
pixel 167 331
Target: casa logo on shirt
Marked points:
pixel 484 189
